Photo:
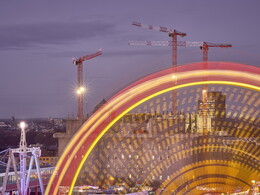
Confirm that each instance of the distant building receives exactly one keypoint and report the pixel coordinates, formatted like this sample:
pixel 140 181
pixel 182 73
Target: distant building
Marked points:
pixel 214 111
pixel 72 125
pixel 3 125
pixel 141 143
pixel 48 160
pixel 99 105
pixel 141 148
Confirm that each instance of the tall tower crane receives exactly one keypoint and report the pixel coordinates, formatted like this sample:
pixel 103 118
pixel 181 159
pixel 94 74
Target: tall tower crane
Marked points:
pixel 172 33
pixel 204 46
pixel 80 90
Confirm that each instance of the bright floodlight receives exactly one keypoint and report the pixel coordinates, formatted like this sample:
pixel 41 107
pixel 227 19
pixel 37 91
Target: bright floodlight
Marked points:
pixel 253 181
pixel 22 124
pixel 78 92
pixel 81 90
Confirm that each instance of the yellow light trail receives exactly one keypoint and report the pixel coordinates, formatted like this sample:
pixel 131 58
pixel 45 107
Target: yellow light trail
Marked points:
pixel 128 95
pixel 140 102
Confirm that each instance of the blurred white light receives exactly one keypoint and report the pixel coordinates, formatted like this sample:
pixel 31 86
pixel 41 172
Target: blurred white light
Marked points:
pixel 22 124
pixel 82 89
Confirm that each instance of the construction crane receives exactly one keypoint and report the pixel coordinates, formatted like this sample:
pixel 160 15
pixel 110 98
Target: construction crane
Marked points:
pixel 172 33
pixel 204 46
pixel 80 90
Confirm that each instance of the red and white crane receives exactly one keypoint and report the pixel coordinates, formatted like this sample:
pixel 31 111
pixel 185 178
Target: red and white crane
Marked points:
pixel 172 33
pixel 80 90
pixel 204 46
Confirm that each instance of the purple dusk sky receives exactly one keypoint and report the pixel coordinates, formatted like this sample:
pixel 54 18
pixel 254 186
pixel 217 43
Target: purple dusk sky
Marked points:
pixel 38 40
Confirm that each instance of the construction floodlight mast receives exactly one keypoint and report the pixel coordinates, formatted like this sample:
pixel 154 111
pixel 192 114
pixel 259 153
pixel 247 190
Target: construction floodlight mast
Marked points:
pixel 80 88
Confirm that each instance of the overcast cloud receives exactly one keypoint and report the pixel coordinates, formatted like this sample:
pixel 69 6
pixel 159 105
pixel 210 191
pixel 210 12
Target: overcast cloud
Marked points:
pixel 39 38
pixel 31 35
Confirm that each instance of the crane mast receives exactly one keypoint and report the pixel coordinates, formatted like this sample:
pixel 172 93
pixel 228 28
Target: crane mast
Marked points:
pixel 204 46
pixel 80 88
pixel 205 49
pixel 173 34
